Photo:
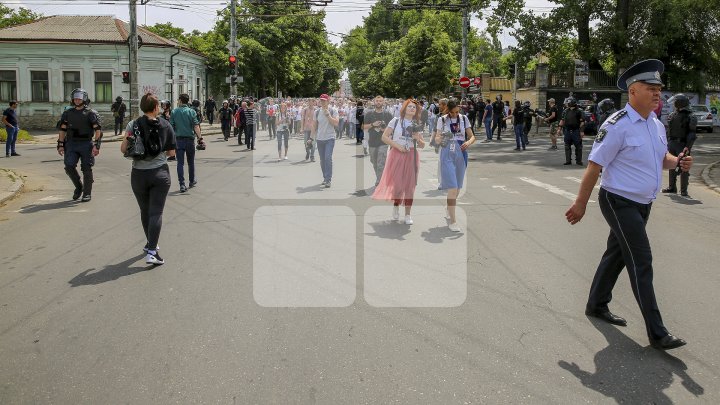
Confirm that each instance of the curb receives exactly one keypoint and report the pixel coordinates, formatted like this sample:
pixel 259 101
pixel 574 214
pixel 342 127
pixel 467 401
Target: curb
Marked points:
pixel 16 187
pixel 706 177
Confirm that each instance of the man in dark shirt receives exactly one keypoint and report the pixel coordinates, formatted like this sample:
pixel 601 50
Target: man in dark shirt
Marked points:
pixel 375 123
pixel 9 118
pixel 210 108
pixel 118 109
pixel 498 116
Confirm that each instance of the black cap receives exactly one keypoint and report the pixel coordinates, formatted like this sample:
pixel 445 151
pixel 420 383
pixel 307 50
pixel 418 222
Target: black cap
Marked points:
pixel 646 71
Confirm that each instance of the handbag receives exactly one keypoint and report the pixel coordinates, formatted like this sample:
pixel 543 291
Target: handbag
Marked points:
pixel 136 148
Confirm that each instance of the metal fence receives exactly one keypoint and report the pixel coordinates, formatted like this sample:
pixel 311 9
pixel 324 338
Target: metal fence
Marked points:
pixel 526 79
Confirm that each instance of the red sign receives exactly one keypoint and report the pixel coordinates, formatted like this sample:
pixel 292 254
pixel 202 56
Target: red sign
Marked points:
pixel 477 81
pixel 464 82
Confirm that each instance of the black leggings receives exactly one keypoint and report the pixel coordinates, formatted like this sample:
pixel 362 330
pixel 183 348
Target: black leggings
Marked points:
pixel 151 189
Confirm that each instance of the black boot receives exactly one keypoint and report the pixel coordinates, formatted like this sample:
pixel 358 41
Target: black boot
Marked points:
pixel 87 183
pixel 75 178
pixel 568 154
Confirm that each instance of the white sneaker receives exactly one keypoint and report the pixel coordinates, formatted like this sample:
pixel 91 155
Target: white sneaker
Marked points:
pixel 154 259
pixel 454 227
pixel 286 158
pixel 408 220
pixel 396 212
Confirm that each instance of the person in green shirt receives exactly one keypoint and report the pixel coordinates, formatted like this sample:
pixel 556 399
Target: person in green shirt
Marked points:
pixel 186 125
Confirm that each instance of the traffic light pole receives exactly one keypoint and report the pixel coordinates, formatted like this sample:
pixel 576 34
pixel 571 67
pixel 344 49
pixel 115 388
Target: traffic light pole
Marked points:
pixel 133 61
pixel 464 57
pixel 233 38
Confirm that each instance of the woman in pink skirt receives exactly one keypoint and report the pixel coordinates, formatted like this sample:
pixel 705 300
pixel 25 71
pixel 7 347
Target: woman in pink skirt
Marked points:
pixel 399 178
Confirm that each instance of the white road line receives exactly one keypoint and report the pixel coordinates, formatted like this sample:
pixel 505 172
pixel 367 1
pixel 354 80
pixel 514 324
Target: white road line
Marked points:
pixel 549 187
pixel 505 189
pixel 50 198
pixel 577 180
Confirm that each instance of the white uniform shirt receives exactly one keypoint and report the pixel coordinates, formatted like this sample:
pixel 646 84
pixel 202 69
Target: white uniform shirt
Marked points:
pixel 631 153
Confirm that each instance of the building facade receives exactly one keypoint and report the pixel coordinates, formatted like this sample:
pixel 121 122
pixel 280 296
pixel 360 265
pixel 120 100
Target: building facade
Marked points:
pixel 41 62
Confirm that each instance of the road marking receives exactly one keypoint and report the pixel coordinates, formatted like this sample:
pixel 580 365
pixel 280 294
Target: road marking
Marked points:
pixel 50 198
pixel 577 180
pixel 549 187
pixel 505 189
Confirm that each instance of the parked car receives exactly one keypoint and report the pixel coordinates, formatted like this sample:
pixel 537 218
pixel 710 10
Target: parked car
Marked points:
pixel 704 117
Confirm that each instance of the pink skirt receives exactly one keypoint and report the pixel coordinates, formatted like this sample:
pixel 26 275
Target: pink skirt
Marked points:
pixel 398 178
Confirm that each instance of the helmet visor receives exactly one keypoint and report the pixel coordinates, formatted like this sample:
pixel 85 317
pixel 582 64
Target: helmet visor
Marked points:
pixel 78 94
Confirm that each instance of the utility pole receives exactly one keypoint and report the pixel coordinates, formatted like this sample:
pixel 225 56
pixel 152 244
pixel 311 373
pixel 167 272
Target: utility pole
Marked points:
pixel 133 61
pixel 233 51
pixel 464 57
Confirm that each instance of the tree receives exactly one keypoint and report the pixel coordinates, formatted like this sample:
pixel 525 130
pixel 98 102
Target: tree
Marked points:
pixel 167 30
pixel 10 17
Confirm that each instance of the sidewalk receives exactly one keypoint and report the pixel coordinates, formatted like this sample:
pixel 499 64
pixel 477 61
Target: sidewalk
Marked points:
pixel 10 185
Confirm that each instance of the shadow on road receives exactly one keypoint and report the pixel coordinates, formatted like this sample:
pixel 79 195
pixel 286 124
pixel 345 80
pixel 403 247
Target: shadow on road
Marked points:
pixel 310 189
pixel 683 200
pixel 389 230
pixel 439 234
pixel 29 209
pixel 630 373
pixel 108 273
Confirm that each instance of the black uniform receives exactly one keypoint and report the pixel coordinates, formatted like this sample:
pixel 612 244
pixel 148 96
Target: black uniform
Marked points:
pixel 210 108
pixel 682 126
pixel 572 121
pixel 81 126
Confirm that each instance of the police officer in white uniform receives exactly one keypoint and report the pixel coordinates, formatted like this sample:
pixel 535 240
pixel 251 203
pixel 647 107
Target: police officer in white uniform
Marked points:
pixel 631 149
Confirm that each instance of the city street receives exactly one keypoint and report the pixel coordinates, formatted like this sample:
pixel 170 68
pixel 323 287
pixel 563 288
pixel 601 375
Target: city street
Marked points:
pixel 276 290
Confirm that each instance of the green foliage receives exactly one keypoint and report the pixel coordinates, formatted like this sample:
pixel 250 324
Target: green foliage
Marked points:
pixel 684 34
pixel 167 30
pixel 23 135
pixel 10 17
pixel 414 52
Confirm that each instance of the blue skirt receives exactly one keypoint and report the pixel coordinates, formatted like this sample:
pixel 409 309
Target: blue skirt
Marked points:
pixel 452 166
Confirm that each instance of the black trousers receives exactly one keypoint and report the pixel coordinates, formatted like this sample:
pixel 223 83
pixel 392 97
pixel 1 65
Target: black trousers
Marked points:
pixel 151 189
pixel 80 150
pixel 676 147
pixel 628 247
pixel 249 136
pixel 210 116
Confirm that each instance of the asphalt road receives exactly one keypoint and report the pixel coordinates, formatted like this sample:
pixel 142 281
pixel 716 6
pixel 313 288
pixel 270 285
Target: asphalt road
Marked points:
pixel 278 291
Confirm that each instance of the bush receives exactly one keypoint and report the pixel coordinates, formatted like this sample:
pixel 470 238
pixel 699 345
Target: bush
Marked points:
pixel 22 136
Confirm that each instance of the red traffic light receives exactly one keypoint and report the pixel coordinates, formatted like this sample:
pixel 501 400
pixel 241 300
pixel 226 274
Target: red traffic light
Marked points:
pixel 126 77
pixel 232 59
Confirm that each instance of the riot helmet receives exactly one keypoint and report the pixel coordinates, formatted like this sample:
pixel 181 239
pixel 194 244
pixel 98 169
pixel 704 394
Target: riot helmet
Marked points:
pixel 81 94
pixel 606 105
pixel 498 97
pixel 681 101
pixel 571 102
pixel 119 99
pixel 526 104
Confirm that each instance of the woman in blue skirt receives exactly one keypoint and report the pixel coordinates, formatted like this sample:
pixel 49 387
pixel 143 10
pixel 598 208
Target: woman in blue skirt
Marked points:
pixel 455 135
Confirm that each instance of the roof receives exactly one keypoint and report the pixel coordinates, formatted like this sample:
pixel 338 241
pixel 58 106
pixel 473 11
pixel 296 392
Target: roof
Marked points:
pixel 83 29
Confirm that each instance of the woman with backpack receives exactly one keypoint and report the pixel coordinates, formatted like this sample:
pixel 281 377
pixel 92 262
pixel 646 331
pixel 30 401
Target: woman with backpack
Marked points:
pixel 150 176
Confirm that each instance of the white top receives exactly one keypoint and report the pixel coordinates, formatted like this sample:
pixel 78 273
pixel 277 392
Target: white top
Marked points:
pixel 401 134
pixel 325 129
pixel 455 125
pixel 631 153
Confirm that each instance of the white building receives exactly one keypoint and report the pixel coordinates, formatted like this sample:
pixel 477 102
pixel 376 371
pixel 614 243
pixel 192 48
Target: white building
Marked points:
pixel 42 61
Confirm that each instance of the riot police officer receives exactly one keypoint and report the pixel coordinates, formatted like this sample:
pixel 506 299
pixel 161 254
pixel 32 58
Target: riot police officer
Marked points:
pixel 571 123
pixel 79 140
pixel 528 116
pixel 682 126
pixel 606 108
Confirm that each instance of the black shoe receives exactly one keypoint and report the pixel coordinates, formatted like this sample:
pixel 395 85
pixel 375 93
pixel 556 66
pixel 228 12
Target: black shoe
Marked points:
pixel 567 163
pixel 607 316
pixel 86 198
pixel 14 154
pixel 193 184
pixel 579 163
pixel 77 193
pixel 669 190
pixel 667 343
pixel 183 188
pixel 685 194
pixel 516 149
pixel 240 144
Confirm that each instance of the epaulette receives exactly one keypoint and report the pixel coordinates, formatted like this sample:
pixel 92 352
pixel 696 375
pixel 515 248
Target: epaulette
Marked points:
pixel 613 119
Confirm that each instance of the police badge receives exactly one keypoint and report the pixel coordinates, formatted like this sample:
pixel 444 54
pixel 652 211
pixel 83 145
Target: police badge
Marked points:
pixel 601 135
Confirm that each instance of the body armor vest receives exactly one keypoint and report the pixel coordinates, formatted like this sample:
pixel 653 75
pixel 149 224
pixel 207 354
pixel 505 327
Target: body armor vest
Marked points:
pixel 679 125
pixel 79 123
